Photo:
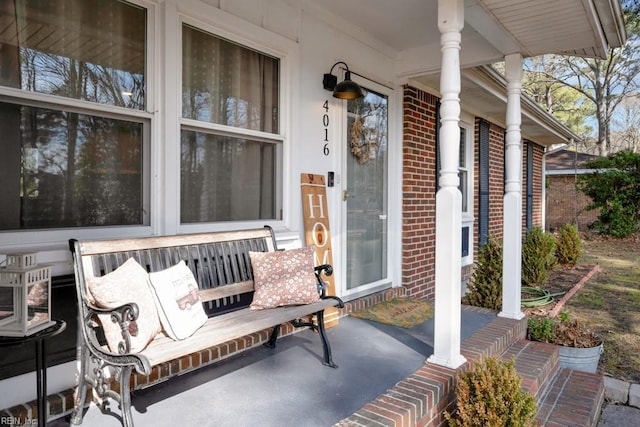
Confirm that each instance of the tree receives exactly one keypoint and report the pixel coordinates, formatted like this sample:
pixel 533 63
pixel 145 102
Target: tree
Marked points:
pixel 564 103
pixel 602 83
pixel 626 132
pixel 614 188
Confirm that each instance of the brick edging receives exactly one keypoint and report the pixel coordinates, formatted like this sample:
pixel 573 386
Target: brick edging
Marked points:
pixel 556 309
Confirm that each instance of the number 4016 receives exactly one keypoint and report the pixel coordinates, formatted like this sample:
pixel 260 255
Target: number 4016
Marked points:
pixel 325 124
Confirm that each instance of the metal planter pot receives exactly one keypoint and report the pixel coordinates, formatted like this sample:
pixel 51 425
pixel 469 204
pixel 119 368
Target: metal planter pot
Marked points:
pixel 580 359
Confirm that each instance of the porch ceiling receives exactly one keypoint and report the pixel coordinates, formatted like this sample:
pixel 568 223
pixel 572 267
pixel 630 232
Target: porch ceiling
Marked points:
pixel 577 27
pixel 407 30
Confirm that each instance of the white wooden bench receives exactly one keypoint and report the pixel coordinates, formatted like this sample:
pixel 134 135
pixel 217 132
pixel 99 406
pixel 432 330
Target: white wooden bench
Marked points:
pixel 220 263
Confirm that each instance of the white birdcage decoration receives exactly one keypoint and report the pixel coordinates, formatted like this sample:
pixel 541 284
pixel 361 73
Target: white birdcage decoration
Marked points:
pixel 25 296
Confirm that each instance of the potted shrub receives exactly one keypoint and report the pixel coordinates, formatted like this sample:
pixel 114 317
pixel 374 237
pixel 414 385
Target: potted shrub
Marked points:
pixel 580 348
pixel 490 394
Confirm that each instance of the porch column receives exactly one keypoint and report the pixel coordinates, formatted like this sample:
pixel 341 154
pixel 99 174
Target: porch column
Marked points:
pixel 446 344
pixel 512 216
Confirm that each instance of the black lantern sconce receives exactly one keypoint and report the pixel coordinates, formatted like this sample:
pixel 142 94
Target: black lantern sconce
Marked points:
pixel 347 89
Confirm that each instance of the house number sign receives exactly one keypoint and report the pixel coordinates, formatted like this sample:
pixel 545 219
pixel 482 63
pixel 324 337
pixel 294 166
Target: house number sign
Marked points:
pixel 325 127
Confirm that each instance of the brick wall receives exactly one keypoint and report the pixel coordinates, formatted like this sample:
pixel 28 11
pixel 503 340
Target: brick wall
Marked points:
pixel 566 205
pixel 419 187
pixel 418 192
pixel 496 178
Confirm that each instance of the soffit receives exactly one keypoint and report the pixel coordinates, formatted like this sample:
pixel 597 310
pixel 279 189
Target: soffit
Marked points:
pixel 580 27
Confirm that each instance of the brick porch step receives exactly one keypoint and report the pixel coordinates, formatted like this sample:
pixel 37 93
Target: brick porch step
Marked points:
pixel 421 398
pixel 574 398
pixel 565 397
pixel 536 362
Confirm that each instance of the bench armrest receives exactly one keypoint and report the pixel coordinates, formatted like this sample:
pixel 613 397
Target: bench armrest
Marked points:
pixel 124 315
pixel 327 269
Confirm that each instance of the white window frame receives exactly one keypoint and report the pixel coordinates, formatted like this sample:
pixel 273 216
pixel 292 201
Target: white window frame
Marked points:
pixel 40 239
pixel 466 123
pixel 227 26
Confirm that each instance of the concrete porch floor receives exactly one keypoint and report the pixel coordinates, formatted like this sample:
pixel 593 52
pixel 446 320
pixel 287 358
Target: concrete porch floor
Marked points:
pixel 289 386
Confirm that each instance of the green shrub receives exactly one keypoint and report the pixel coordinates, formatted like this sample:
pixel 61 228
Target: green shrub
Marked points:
pixel 616 220
pixel 569 248
pixel 541 329
pixel 489 394
pixel 485 289
pixel 537 256
pixel 614 188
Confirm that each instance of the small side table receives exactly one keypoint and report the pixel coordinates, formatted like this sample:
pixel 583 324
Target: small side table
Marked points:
pixel 40 339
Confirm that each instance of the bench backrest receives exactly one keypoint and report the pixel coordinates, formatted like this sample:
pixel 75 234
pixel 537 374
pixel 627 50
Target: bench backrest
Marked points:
pixel 219 261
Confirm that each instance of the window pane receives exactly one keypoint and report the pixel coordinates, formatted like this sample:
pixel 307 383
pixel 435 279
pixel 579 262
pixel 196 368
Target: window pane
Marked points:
pixel 228 84
pixel 93 50
pixel 463 148
pixel 63 169
pixel 228 179
pixel 463 189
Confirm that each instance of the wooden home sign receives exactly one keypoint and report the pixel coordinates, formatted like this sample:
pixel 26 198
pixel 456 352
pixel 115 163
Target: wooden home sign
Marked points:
pixel 317 233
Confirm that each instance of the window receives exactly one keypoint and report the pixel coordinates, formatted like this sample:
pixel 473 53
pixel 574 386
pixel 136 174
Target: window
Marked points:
pixel 231 148
pixel 463 170
pixel 465 174
pixel 72 114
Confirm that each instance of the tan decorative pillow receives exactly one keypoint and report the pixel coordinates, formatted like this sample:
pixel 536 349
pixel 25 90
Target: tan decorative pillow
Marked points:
pixel 128 283
pixel 178 301
pixel 283 278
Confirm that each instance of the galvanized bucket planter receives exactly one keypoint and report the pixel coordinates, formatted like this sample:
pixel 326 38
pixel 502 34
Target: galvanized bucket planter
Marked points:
pixel 580 359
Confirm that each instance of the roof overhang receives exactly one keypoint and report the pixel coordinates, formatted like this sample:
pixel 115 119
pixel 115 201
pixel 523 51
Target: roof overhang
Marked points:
pixel 408 30
pixel 532 28
pixel 483 94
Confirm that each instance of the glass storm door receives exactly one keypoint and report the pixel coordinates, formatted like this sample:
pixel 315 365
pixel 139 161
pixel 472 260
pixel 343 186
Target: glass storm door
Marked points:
pixel 366 192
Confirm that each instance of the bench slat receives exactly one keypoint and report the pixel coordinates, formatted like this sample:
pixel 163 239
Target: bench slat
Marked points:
pixel 226 291
pixel 220 329
pixel 142 243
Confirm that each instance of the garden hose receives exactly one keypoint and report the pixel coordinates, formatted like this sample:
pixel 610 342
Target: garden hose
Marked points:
pixel 539 298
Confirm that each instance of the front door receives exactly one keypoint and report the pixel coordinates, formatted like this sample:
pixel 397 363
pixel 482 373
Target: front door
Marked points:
pixel 365 196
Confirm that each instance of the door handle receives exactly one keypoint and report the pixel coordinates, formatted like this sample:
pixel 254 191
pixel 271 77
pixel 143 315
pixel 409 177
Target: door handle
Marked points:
pixel 345 195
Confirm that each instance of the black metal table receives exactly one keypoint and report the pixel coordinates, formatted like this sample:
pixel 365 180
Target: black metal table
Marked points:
pixel 40 339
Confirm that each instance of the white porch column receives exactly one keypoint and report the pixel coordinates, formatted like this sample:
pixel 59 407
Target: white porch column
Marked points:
pixel 446 344
pixel 512 219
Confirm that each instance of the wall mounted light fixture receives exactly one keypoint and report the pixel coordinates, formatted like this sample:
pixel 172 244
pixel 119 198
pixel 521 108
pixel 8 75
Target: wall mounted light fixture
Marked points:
pixel 347 89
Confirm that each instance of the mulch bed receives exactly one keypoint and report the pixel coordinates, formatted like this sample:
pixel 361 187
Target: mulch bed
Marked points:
pixel 561 280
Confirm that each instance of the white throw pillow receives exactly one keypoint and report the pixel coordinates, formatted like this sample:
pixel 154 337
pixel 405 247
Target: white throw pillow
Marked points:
pixel 128 283
pixel 178 302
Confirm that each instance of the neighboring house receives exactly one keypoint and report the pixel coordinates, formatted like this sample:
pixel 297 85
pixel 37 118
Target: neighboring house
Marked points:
pixel 158 117
pixel 564 203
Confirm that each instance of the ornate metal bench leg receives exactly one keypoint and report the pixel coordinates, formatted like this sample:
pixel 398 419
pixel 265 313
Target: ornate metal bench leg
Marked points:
pixel 326 348
pixel 274 336
pixel 81 392
pixel 125 396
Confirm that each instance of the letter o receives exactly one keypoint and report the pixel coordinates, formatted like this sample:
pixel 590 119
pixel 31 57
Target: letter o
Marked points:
pixel 319 233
